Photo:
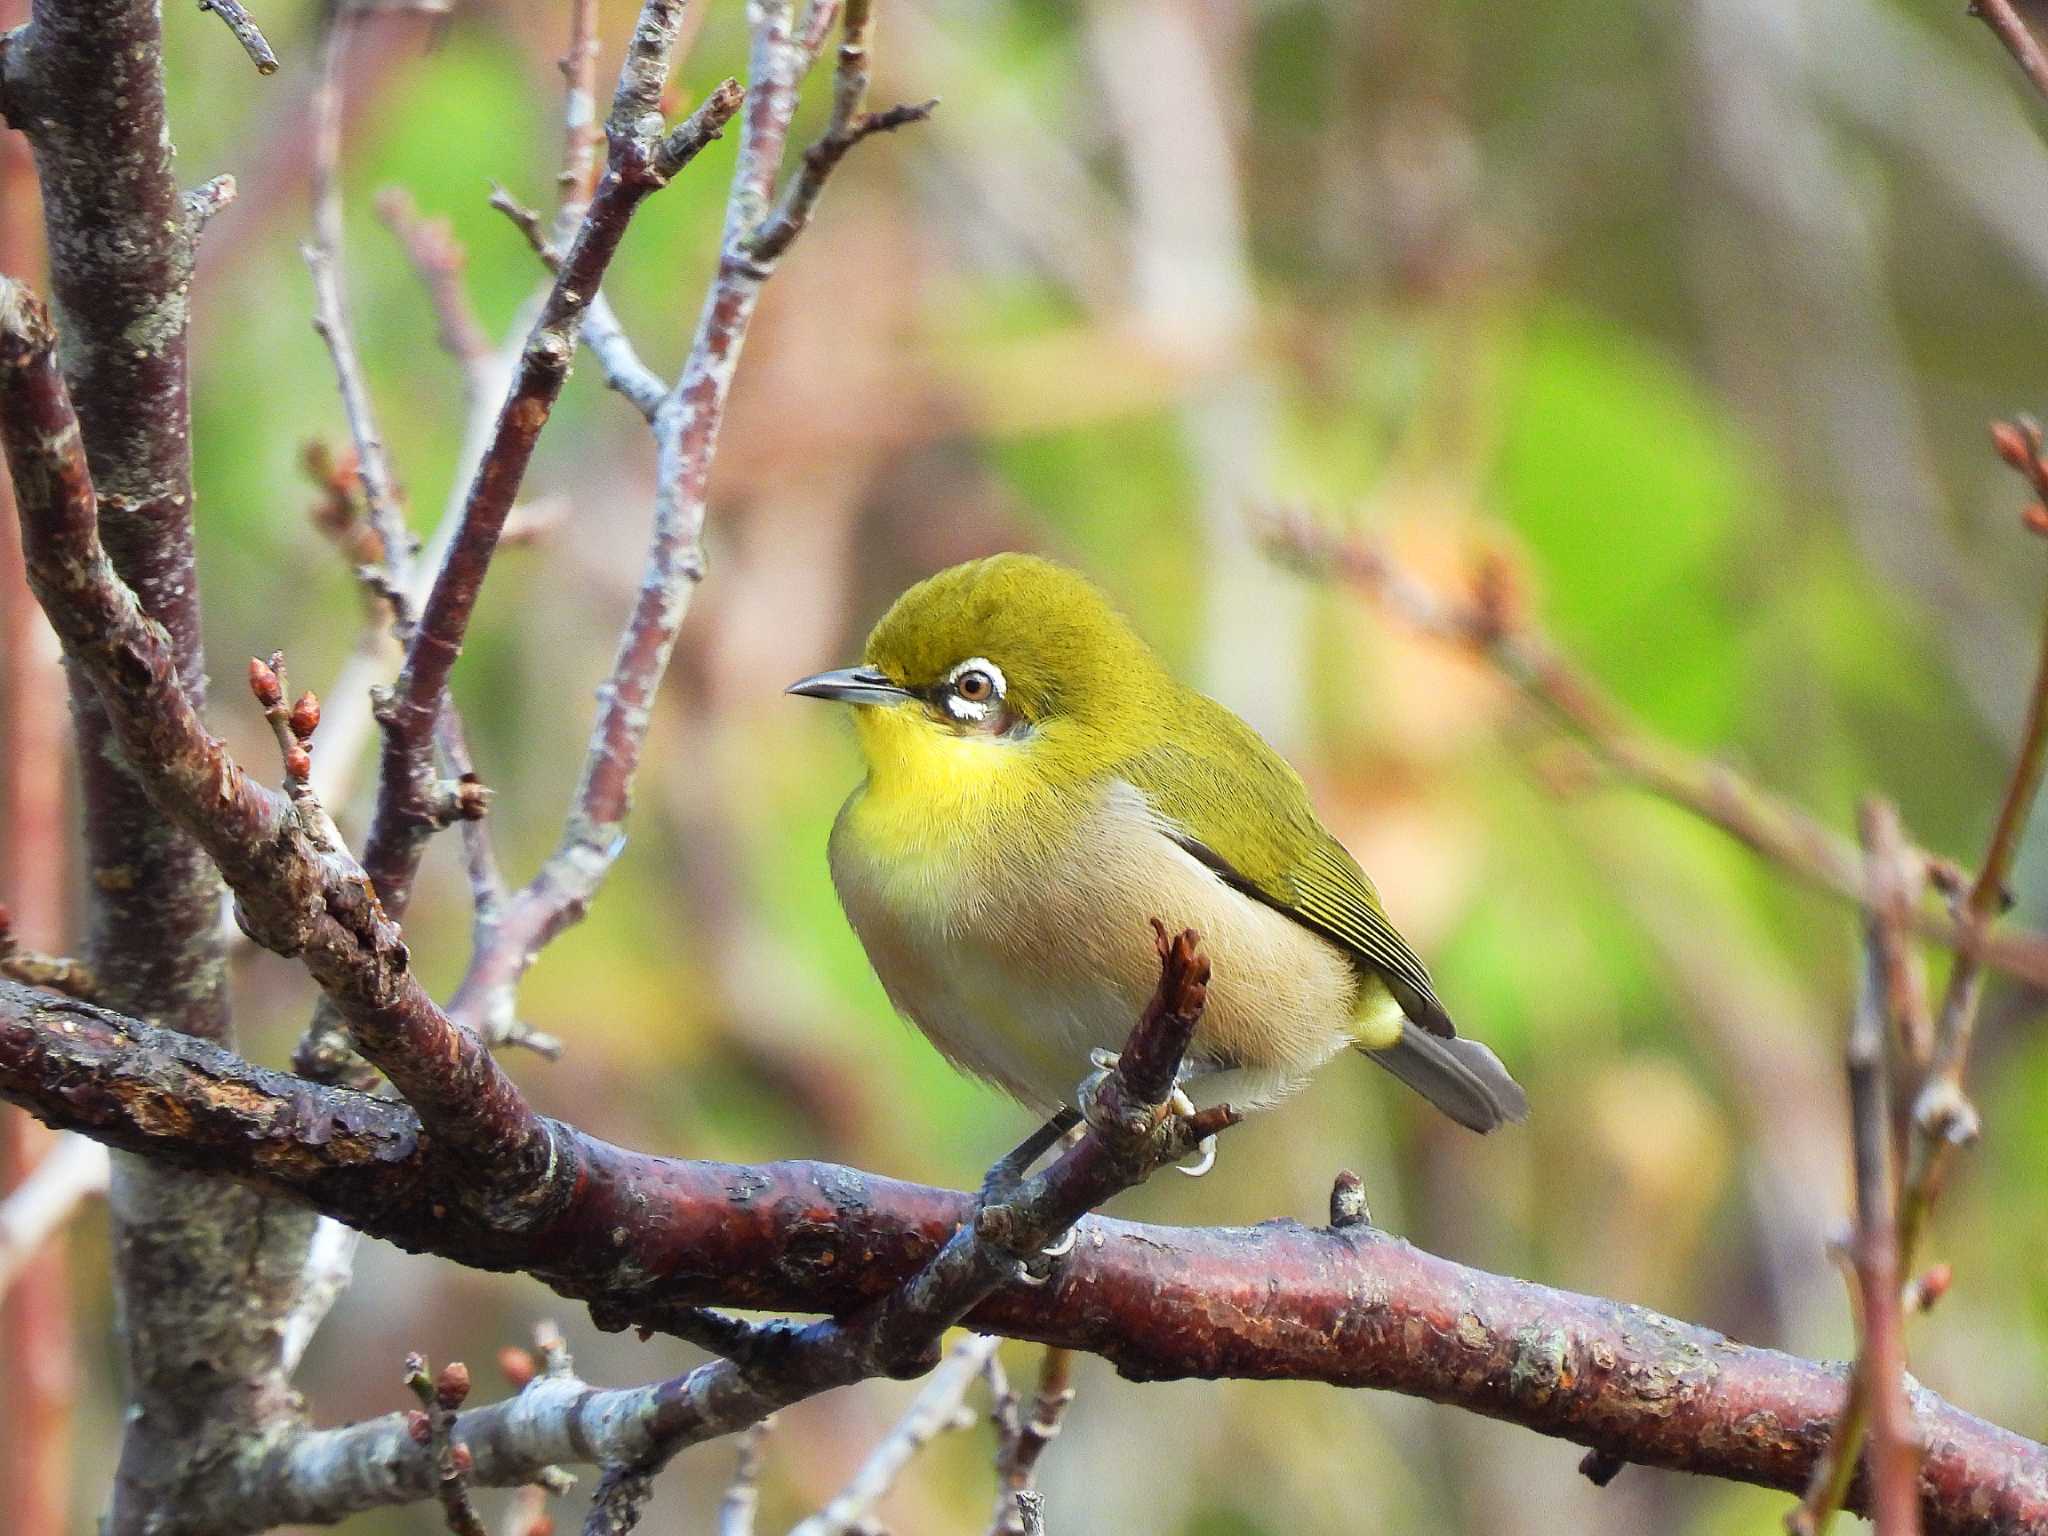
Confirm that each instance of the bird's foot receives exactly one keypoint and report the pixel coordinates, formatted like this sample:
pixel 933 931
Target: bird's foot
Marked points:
pixel 1204 1161
pixel 1178 1105
pixel 1010 1170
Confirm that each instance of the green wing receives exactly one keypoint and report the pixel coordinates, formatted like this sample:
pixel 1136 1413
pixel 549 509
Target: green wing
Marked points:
pixel 1238 807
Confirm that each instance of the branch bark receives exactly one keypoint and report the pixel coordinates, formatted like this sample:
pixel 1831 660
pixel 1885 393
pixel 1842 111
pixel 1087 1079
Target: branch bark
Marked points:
pixel 644 1237
pixel 83 81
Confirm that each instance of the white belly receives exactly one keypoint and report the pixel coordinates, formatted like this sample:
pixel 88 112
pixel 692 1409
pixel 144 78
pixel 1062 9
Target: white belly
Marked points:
pixel 1016 966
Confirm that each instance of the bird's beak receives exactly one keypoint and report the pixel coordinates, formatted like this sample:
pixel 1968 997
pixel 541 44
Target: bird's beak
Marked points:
pixel 850 685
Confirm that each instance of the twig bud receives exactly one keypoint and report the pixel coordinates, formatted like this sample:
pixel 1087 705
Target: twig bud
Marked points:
pixel 1347 1202
pixel 451 1387
pixel 418 1427
pixel 298 764
pixel 306 716
pixel 460 1459
pixel 517 1366
pixel 2012 446
pixel 1923 1291
pixel 263 683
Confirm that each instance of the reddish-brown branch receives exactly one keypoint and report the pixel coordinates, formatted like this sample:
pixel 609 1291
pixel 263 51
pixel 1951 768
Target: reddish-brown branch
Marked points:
pixel 1130 1134
pixel 296 894
pixel 640 1235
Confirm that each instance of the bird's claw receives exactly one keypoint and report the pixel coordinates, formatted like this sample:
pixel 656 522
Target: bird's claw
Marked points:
pixel 1202 1164
pixel 1063 1247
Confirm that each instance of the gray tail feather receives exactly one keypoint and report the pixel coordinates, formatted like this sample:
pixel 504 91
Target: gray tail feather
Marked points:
pixel 1460 1077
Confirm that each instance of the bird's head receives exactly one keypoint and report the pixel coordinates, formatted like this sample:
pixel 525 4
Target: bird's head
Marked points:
pixel 1011 651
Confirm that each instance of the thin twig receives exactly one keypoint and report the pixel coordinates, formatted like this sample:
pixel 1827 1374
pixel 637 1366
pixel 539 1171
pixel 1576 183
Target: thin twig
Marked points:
pixel 31 967
pixel 1876 1406
pixel 384 505
pixel 437 256
pixel 1022 1438
pixel 1767 824
pixel 2004 19
pixel 434 1426
pixel 72 1172
pixel 639 162
pixel 743 1493
pixel 581 131
pixel 686 424
pixel 935 1409
pixel 1943 1115
pixel 247 33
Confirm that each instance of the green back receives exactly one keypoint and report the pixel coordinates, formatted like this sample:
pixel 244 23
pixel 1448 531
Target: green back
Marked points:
pixel 1247 815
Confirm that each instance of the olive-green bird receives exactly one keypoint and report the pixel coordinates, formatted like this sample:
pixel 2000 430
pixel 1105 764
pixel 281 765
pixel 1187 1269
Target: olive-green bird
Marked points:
pixel 1039 789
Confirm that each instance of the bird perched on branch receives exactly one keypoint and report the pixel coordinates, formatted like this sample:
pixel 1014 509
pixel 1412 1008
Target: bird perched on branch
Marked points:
pixel 1040 789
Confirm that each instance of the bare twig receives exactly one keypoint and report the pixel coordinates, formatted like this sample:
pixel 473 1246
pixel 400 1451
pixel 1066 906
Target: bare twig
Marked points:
pixel 2006 23
pixel 743 1493
pixel 686 424
pixel 602 333
pixel 640 160
pixel 430 245
pixel 1876 1405
pixel 1765 823
pixel 70 1173
pixel 33 968
pixel 935 1409
pixel 581 132
pixel 384 505
pixel 434 1425
pixel 1022 1438
pixel 1943 1115
pixel 247 33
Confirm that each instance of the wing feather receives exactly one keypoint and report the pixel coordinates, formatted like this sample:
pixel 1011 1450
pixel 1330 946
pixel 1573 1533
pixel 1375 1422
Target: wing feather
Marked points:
pixel 1233 803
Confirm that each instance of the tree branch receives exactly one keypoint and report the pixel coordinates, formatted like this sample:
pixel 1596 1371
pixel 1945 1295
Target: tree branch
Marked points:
pixel 686 421
pixel 83 81
pixel 641 1236
pixel 1767 824
pixel 297 893
pixel 70 1173
pixel 640 160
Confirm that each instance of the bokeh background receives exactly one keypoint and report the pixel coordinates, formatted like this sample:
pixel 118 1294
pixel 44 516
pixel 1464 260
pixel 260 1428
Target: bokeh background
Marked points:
pixel 1696 310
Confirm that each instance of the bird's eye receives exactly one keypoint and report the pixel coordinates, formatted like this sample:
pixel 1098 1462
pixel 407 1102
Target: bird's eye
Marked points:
pixel 975 687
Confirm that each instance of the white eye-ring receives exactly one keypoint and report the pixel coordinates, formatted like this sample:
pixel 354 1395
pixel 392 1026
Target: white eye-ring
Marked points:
pixel 974 688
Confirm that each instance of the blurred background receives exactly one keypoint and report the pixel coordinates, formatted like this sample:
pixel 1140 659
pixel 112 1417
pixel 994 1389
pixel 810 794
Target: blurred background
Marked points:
pixel 1696 309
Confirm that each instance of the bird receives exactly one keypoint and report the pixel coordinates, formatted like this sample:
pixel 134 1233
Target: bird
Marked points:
pixel 1041 791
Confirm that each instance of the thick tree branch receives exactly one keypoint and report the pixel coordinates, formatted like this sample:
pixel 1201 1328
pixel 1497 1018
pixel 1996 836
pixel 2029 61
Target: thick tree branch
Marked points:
pixel 83 81
pixel 1352 1306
